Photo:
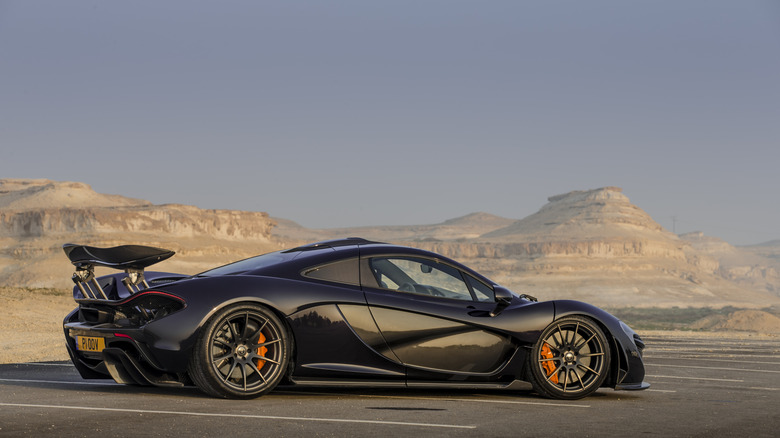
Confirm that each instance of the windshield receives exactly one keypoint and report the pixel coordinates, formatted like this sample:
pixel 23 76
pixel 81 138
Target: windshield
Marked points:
pixel 250 264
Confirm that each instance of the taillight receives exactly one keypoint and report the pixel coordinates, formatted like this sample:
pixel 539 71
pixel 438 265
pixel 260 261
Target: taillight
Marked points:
pixel 148 306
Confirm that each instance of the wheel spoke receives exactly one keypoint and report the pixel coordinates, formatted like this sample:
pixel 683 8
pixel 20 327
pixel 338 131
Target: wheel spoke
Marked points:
pixel 591 354
pixel 243 374
pixel 256 333
pixel 586 342
pixel 560 334
pixel 232 330
pixel 589 369
pixel 257 356
pixel 246 326
pixel 265 344
pixel 552 347
pixel 220 341
pixel 229 373
pixel 223 357
pixel 557 370
pixel 582 384
pixel 257 370
pixel 565 380
pixel 575 333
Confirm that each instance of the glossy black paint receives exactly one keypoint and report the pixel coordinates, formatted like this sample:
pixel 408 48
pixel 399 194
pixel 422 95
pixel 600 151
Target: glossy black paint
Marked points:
pixel 351 331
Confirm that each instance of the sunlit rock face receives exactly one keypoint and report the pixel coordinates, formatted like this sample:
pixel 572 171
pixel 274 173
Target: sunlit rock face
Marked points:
pixel 38 216
pixel 591 245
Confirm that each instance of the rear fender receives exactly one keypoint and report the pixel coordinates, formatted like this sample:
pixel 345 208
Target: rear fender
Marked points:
pixel 207 296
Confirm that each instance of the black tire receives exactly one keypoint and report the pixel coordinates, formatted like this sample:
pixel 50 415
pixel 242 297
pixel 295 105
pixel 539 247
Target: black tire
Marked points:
pixel 570 360
pixel 242 352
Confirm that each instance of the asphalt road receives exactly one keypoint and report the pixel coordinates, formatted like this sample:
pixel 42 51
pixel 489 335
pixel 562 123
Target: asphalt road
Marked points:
pixel 700 387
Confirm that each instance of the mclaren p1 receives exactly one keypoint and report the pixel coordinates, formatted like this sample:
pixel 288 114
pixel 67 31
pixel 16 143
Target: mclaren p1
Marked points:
pixel 341 312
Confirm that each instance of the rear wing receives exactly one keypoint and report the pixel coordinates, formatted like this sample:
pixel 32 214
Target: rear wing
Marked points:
pixel 130 258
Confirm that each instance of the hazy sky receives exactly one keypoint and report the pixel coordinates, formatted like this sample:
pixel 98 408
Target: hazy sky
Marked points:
pixel 343 113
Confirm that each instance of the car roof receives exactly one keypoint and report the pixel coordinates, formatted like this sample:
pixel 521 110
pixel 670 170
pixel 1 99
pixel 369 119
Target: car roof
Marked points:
pixel 335 243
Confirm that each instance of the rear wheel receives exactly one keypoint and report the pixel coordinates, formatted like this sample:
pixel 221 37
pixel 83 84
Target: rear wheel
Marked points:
pixel 242 352
pixel 570 360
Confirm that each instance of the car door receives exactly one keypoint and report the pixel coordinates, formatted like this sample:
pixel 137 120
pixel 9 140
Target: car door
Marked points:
pixel 433 316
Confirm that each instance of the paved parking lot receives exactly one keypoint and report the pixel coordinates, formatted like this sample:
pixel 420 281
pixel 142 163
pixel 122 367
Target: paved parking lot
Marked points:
pixel 701 386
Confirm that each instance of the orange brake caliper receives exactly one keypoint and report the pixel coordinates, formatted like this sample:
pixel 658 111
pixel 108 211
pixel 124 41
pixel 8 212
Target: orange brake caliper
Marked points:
pixel 549 366
pixel 261 351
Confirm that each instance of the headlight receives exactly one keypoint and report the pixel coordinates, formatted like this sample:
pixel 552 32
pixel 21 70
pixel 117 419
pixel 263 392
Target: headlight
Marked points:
pixel 634 336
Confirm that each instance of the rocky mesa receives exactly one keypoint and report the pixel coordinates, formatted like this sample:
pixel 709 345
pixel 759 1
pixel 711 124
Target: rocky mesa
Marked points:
pixel 590 245
pixel 38 216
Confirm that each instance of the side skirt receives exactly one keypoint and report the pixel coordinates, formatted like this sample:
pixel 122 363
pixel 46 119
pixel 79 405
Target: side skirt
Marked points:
pixel 518 385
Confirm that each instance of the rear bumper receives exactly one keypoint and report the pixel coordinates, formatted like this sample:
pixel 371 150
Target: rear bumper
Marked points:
pixel 126 357
pixel 123 365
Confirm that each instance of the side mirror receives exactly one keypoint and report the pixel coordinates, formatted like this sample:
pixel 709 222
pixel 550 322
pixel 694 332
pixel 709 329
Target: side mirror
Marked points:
pixel 503 298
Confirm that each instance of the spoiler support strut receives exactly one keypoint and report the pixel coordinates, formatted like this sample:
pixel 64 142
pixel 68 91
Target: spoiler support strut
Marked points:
pixel 84 277
pixel 130 258
pixel 133 279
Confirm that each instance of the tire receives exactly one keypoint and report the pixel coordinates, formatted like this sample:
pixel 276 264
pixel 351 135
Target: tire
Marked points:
pixel 242 352
pixel 570 360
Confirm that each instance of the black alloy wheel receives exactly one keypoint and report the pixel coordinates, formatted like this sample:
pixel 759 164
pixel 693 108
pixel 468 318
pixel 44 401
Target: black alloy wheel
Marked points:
pixel 570 360
pixel 242 352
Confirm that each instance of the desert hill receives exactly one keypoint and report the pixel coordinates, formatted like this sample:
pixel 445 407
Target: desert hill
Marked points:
pixel 38 216
pixel 469 226
pixel 582 215
pixel 597 246
pixel 768 250
pixel 756 267
pixel 592 245
pixel 742 320
pixel 26 194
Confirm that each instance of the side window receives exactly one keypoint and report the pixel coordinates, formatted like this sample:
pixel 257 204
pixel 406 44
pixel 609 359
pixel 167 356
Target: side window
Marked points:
pixel 419 276
pixel 482 291
pixel 343 271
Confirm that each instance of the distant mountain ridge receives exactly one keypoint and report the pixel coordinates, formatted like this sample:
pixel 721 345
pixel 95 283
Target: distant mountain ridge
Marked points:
pixel 592 245
pixel 29 194
pixel 469 226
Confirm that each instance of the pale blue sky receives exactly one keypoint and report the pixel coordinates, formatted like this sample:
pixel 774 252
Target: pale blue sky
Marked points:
pixel 343 113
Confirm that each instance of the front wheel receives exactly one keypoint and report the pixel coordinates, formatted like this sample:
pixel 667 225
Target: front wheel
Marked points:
pixel 570 360
pixel 242 352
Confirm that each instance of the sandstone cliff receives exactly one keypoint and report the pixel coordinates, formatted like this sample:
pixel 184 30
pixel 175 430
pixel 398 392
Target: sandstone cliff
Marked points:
pixel 171 221
pixel 38 216
pixel 592 245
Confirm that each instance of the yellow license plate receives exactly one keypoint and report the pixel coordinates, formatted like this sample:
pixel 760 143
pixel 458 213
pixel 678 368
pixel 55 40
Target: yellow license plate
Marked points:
pixel 89 343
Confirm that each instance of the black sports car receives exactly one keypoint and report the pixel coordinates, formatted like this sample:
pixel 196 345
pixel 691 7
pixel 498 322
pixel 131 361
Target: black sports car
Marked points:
pixel 341 312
